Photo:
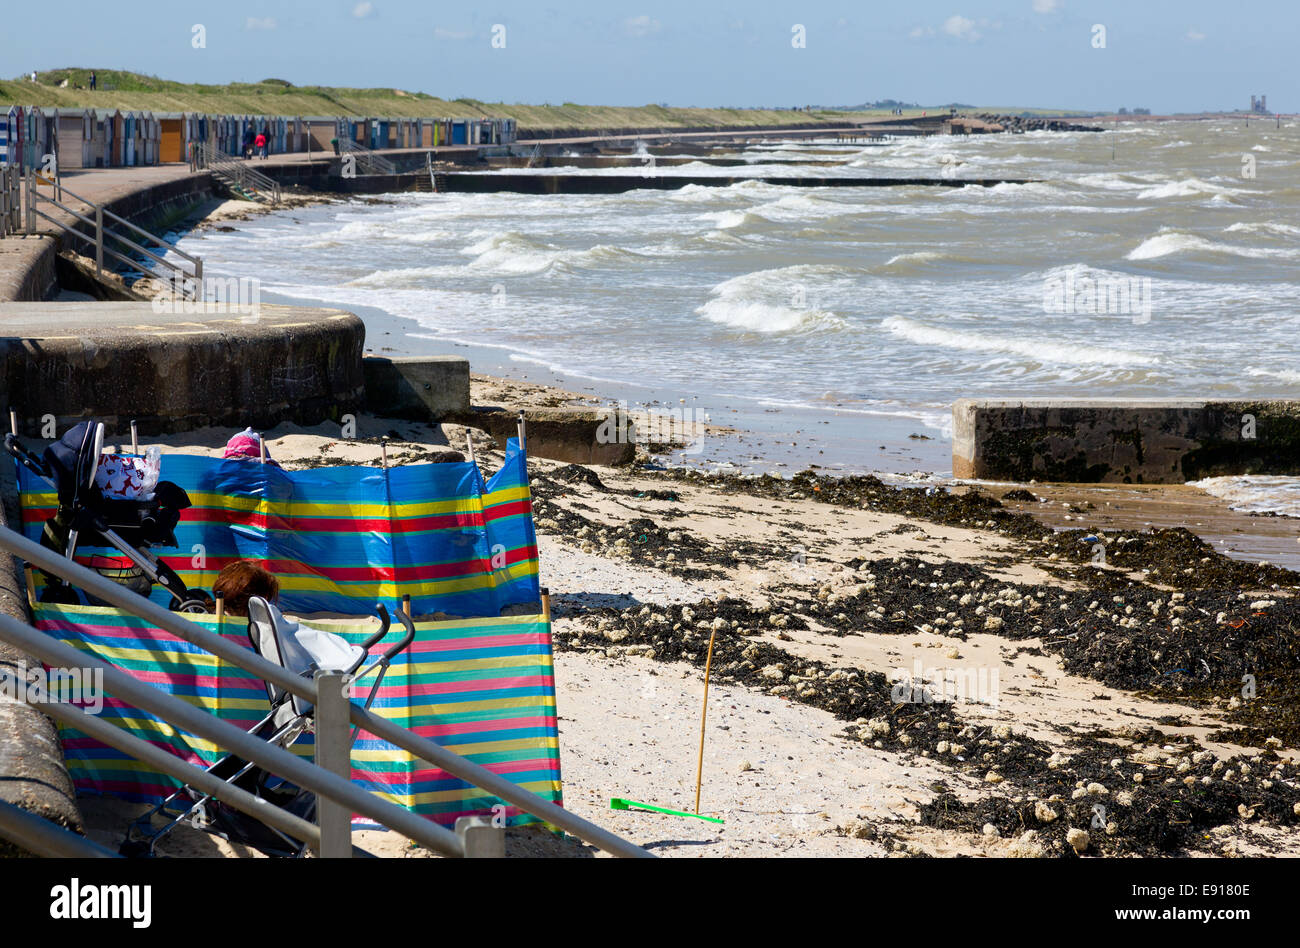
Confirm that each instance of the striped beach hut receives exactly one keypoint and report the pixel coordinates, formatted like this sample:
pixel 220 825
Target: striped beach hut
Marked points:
pixel 11 129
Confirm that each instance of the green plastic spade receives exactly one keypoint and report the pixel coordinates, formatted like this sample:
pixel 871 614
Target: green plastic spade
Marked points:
pixel 618 803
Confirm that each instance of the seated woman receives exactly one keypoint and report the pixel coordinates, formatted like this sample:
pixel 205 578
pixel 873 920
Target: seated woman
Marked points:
pixel 240 581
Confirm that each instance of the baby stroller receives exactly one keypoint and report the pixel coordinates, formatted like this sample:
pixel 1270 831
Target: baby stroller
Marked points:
pixel 303 651
pixel 86 515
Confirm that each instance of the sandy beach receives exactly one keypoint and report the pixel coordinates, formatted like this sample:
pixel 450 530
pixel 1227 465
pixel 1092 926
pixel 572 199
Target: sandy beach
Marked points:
pixel 915 671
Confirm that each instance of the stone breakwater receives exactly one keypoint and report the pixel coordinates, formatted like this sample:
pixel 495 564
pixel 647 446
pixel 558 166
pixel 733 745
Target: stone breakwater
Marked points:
pixel 1022 123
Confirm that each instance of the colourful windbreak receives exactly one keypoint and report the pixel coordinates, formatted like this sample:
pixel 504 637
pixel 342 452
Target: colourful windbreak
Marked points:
pixel 482 688
pixel 341 539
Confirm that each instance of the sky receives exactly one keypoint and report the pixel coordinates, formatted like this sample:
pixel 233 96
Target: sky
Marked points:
pixel 1165 55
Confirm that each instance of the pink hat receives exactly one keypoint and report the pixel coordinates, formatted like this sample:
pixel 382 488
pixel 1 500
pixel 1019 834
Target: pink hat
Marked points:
pixel 246 444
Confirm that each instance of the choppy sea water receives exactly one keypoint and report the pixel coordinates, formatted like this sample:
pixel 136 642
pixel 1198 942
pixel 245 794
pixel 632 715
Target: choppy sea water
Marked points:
pixel 1177 244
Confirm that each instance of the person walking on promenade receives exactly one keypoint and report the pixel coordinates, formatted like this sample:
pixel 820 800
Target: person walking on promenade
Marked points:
pixel 93 80
pixel 248 143
pixel 260 142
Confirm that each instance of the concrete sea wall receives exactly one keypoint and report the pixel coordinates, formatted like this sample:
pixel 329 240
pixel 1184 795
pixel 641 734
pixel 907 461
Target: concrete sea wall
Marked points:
pixel 1131 441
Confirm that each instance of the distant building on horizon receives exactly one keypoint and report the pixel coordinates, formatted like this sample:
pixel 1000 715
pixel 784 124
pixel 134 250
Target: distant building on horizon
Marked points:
pixel 1259 105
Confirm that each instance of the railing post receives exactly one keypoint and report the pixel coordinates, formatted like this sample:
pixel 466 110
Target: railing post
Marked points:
pixel 31 218
pixel 99 240
pixel 333 753
pixel 480 838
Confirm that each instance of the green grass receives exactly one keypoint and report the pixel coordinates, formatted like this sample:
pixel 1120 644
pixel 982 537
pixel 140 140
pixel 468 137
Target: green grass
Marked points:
pixel 129 90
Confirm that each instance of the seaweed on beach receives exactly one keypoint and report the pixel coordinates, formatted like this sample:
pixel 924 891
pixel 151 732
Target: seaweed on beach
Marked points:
pixel 968 508
pixel 1153 797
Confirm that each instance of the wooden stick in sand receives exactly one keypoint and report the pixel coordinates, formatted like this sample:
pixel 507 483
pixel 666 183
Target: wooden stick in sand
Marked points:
pixel 13 422
pixel 469 445
pixel 383 448
pixel 704 712
pixel 135 438
pixel 406 604
pixel 221 608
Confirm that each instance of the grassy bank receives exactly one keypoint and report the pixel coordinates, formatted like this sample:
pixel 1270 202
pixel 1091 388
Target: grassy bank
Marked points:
pixel 128 90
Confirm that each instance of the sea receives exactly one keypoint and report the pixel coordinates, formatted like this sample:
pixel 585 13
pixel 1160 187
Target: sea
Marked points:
pixel 836 325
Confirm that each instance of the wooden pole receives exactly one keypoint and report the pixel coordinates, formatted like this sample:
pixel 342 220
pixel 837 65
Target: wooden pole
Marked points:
pixel 406 604
pixel 469 446
pixel 261 447
pixel 135 438
pixel 383 448
pixel 221 608
pixel 546 605
pixel 699 769
pixel 31 585
pixel 13 422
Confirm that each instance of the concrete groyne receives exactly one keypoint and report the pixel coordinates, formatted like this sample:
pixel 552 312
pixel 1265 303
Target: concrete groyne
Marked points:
pixel 1130 441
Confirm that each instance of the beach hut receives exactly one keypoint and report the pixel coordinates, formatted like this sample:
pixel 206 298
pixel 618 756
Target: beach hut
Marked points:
pixel 459 132
pixel 74 137
pixel 39 136
pixel 508 131
pixel 11 123
pixel 171 137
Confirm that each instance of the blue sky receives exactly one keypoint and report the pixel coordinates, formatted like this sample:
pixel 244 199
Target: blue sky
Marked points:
pixel 1161 54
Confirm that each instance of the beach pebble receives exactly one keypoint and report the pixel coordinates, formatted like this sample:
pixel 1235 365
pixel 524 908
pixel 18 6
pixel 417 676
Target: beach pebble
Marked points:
pixel 993 777
pixel 1078 839
pixel 746 766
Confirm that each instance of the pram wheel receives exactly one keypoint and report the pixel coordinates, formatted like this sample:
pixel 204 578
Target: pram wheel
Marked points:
pixel 135 849
pixel 192 606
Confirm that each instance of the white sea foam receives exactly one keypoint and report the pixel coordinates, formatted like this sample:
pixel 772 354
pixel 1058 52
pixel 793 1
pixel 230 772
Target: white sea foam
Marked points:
pixel 1168 243
pixel 771 301
pixel 1256 493
pixel 1037 350
pixel 1187 187
pixel 1263 227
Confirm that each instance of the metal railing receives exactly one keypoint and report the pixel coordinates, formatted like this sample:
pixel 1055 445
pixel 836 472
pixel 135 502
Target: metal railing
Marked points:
pixel 103 240
pixel 37 835
pixel 236 172
pixel 371 162
pixel 326 692
pixel 11 200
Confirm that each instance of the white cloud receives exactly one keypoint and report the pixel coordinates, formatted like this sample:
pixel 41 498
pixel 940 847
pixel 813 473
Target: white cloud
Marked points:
pixel 1047 6
pixel 642 25
pixel 960 27
pixel 1195 35
pixel 920 31
pixel 446 34
pixel 262 23
pixel 363 10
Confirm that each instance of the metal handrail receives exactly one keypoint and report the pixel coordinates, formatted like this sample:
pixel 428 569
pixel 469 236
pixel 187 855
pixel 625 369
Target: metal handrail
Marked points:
pixel 188 283
pixel 249 179
pixel 197 721
pixel 118 595
pixel 372 160
pixel 37 835
pixel 188 773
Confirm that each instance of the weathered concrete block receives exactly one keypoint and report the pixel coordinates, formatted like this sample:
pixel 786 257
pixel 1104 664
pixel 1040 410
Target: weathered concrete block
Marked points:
pixel 416 387
pixel 1131 441
pixel 116 361
pixel 576 435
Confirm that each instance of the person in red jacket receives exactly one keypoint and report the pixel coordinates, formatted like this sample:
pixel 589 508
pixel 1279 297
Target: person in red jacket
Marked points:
pixel 260 143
